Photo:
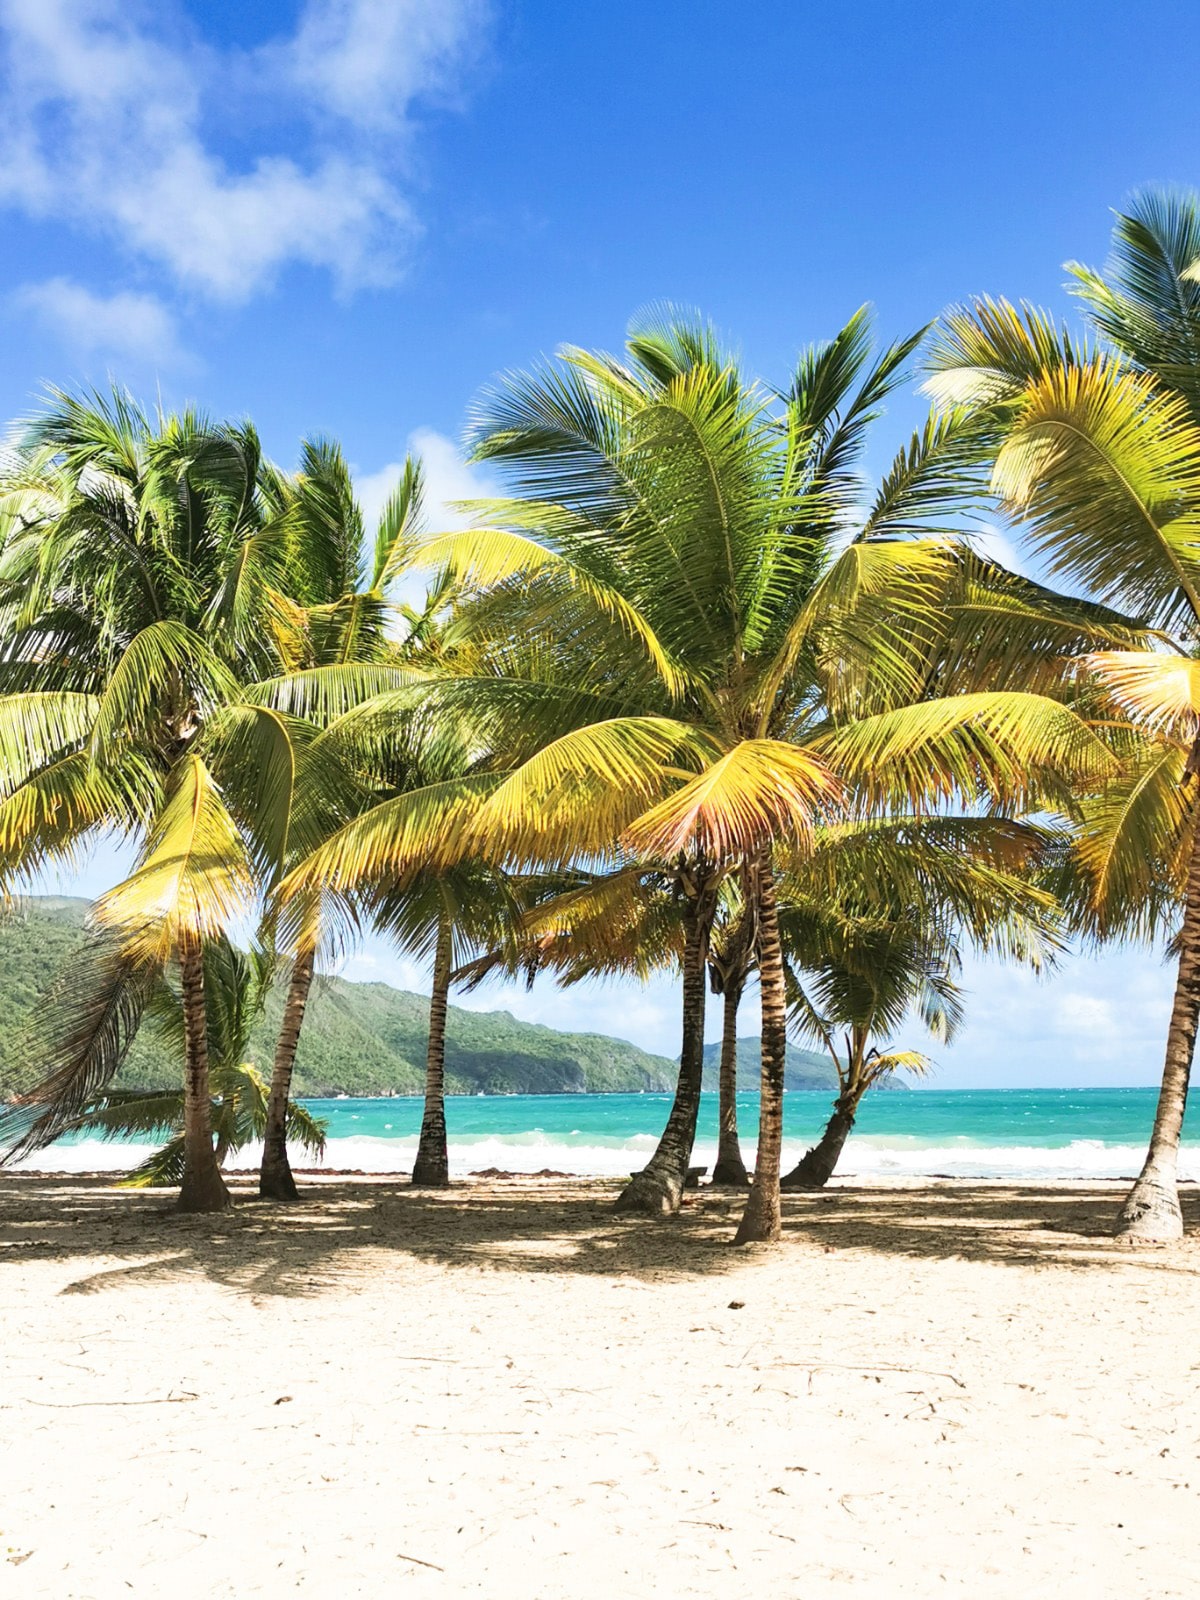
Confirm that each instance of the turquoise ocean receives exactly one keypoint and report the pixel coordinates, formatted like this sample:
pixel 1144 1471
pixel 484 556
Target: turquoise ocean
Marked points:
pixel 981 1133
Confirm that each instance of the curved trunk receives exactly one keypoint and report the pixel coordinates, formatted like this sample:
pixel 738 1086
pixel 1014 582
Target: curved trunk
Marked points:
pixel 203 1188
pixel 761 1222
pixel 730 1167
pixel 275 1180
pixel 658 1189
pixel 431 1169
pixel 815 1167
pixel 1151 1213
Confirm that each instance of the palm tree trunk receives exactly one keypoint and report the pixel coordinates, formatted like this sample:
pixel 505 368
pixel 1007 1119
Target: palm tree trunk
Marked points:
pixel 658 1189
pixel 203 1187
pixel 761 1222
pixel 815 1167
pixel 275 1180
pixel 431 1169
pixel 730 1167
pixel 1151 1213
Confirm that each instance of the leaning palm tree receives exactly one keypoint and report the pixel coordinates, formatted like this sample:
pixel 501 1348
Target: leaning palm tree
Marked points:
pixel 138 600
pixel 1099 460
pixel 873 927
pixel 691 645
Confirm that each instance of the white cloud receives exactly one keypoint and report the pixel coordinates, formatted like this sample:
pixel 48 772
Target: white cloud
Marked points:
pixel 136 326
pixel 105 125
pixel 1099 1019
pixel 1076 1012
pixel 366 60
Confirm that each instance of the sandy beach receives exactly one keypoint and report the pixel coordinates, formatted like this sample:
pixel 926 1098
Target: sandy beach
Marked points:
pixel 935 1389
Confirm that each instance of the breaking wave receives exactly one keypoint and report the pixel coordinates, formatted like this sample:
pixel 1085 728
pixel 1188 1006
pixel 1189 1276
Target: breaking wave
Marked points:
pixel 591 1156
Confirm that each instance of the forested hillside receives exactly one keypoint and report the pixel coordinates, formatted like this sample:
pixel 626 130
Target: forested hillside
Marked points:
pixel 360 1038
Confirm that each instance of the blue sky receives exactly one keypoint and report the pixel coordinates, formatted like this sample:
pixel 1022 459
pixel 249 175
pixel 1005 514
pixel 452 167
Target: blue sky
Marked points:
pixel 347 215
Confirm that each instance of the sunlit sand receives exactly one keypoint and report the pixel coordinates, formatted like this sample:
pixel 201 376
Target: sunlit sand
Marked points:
pixel 508 1390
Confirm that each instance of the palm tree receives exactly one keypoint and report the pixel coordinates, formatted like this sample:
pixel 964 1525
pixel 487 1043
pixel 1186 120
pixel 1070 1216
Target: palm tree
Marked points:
pixel 139 589
pixel 630 923
pixel 874 923
pixel 236 983
pixel 1099 458
pixel 367 655
pixel 349 625
pixel 730 964
pixel 691 645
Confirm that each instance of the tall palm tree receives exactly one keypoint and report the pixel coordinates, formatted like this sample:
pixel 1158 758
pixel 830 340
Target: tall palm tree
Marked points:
pixel 350 626
pixel 691 644
pixel 139 586
pixel 730 965
pixel 361 678
pixel 630 923
pixel 1098 458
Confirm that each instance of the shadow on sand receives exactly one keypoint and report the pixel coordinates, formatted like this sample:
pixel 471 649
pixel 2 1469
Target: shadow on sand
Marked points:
pixel 363 1228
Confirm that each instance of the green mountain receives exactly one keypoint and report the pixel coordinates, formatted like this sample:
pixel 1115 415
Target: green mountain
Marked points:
pixel 359 1038
pixel 366 1038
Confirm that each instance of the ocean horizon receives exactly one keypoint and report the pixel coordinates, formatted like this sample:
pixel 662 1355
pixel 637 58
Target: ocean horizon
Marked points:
pixel 962 1133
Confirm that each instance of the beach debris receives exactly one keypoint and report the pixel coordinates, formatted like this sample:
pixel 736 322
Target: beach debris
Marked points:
pixel 417 1562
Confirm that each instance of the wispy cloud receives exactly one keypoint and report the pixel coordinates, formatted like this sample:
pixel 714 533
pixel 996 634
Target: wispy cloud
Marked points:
pixel 136 327
pixel 106 123
pixel 367 60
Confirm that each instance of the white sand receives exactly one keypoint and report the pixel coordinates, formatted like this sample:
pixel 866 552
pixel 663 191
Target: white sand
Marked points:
pixel 939 1389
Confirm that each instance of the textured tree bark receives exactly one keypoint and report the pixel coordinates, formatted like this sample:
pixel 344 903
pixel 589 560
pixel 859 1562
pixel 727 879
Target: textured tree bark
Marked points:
pixel 431 1169
pixel 1151 1213
pixel 761 1222
pixel 203 1188
pixel 658 1189
pixel 275 1180
pixel 730 1168
pixel 815 1167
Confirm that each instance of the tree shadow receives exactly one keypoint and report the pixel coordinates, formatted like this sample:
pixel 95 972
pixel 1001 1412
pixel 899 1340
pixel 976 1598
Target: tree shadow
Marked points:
pixel 1045 1224
pixel 362 1229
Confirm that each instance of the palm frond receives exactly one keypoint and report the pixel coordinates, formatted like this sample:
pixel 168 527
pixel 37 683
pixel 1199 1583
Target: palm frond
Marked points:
pixel 1013 748
pixel 761 790
pixel 1104 468
pixel 194 878
pixel 79 1033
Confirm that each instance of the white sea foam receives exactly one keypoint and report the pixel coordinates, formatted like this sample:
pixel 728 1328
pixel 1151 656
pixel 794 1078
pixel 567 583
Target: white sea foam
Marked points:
pixel 864 1157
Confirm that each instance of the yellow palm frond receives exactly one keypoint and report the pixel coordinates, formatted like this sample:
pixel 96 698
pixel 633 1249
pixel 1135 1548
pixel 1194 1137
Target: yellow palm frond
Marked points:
pixel 900 1061
pixel 866 618
pixel 580 792
pixel 419 829
pixel 64 804
pixel 762 789
pixel 194 878
pixel 1161 692
pixel 1134 846
pixel 36 729
pixel 1104 467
